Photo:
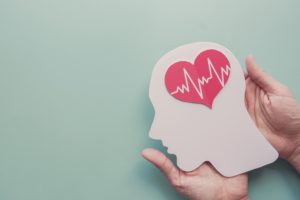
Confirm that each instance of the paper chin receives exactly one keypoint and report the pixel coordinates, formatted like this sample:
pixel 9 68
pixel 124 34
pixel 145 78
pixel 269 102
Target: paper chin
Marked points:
pixel 187 168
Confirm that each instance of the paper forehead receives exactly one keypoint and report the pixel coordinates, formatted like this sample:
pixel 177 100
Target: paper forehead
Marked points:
pixel 233 91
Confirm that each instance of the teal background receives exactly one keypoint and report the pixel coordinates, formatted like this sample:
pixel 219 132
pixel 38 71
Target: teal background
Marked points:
pixel 74 107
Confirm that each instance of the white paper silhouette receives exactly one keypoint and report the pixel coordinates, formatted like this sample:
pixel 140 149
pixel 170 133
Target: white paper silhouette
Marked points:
pixel 197 91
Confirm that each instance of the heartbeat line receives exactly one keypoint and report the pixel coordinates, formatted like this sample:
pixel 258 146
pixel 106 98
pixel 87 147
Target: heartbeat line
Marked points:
pixel 202 81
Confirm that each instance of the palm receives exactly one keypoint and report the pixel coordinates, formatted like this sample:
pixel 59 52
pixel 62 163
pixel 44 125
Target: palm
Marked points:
pixel 206 183
pixel 274 113
pixel 203 183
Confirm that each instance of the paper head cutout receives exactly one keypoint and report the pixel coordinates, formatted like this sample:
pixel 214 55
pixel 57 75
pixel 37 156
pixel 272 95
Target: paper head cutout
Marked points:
pixel 197 91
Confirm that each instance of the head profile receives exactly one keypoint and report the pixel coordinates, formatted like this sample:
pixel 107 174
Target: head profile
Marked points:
pixel 197 91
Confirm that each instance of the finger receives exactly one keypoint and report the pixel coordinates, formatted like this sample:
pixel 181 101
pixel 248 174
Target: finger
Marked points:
pixel 250 97
pixel 259 76
pixel 245 74
pixel 162 162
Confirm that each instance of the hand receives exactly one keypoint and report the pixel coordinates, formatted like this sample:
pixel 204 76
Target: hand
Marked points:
pixel 275 111
pixel 204 183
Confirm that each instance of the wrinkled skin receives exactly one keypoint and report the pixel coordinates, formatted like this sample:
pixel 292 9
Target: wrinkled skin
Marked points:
pixel 204 183
pixel 275 111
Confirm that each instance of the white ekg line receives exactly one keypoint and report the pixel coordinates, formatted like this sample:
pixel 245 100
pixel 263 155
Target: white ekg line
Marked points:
pixel 203 80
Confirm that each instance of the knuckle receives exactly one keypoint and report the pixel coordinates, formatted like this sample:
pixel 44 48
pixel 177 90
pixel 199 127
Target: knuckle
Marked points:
pixel 179 183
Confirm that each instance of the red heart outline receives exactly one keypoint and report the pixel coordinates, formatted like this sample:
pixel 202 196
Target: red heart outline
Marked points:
pixel 199 82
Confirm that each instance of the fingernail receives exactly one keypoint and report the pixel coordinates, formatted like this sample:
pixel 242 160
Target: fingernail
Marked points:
pixel 251 57
pixel 143 152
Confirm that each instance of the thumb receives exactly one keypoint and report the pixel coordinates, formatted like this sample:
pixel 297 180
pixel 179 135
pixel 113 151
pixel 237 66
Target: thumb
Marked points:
pixel 163 163
pixel 260 77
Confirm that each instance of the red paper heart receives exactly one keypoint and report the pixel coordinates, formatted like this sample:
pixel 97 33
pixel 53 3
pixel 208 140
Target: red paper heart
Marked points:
pixel 199 82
